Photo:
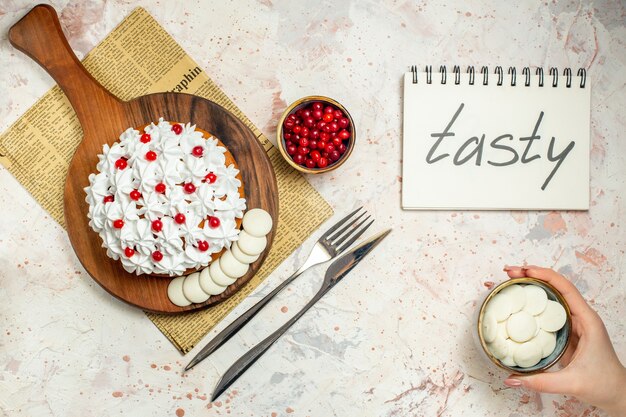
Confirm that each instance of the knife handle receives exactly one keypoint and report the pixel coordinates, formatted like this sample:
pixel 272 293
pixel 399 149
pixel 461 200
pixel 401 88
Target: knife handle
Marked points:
pixel 228 332
pixel 243 363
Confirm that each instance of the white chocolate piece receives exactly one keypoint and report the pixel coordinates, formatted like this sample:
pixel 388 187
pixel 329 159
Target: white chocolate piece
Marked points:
pixel 508 361
pixel 242 257
pixel 500 306
pixel 502 333
pixel 536 299
pixel 553 317
pixel 257 222
pixel 547 340
pixel 251 245
pixel 521 326
pixel 490 327
pixel 527 354
pixel 208 285
pixel 218 276
pixel 231 266
pixel 499 348
pixel 518 297
pixel 175 292
pixel 192 290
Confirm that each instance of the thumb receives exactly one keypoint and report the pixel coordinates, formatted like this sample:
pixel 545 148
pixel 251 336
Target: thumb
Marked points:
pixel 551 382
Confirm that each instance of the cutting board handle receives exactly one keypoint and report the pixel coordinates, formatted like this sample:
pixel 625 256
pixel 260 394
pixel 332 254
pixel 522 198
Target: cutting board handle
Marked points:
pixel 39 35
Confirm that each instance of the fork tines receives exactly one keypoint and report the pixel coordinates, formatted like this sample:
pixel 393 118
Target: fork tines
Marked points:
pixel 352 229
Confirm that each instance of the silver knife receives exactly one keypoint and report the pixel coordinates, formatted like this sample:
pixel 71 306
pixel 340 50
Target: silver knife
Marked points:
pixel 336 271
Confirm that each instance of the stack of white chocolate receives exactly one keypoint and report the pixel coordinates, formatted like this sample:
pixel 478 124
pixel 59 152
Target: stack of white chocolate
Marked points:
pixel 232 265
pixel 520 325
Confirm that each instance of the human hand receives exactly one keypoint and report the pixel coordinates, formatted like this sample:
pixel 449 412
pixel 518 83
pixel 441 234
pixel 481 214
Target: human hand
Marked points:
pixel 592 371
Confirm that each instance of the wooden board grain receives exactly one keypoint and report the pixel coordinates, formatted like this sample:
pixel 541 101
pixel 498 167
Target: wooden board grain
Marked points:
pixel 103 117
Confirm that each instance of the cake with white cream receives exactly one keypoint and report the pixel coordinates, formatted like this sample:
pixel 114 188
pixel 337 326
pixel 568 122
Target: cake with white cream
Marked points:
pixel 166 199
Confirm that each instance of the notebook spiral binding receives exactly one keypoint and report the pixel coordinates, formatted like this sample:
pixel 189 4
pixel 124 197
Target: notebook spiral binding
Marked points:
pixel 499 72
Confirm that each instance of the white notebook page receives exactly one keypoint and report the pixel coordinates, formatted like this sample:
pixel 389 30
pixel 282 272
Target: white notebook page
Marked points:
pixel 495 147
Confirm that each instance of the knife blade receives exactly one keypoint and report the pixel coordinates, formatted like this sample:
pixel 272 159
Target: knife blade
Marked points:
pixel 335 272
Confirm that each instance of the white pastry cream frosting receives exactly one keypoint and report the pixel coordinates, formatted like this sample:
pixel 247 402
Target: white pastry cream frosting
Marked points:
pixel 164 200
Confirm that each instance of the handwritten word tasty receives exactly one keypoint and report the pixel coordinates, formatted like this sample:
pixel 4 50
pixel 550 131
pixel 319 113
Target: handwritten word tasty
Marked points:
pixel 473 148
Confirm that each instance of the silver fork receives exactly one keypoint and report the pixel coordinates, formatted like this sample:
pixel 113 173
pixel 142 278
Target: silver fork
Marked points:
pixel 331 244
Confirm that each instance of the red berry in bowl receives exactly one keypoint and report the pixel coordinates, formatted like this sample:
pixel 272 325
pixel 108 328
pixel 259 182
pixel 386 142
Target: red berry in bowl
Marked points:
pixel 329 110
pixel 328 117
pixel 343 123
pixel 329 148
pixel 342 148
pixel 310 163
pixel 322 162
pixel 334 156
pixel 313 144
pixel 298 159
pixel 291 149
pixel 337 141
pixel 317 105
pixel 317 114
pixel 315 156
pixel 343 134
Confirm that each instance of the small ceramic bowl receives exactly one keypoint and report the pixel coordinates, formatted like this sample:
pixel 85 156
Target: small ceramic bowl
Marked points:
pixel 303 102
pixel 562 336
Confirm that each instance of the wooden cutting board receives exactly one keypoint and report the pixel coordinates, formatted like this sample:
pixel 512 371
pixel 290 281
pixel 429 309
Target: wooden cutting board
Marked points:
pixel 103 118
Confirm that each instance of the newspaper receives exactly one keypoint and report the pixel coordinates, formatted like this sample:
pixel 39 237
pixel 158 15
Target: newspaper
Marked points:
pixel 139 58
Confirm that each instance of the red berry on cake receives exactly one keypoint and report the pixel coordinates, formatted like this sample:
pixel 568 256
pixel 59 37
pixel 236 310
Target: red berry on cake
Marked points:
pixel 135 195
pixel 129 252
pixel 210 178
pixel 179 218
pixel 203 245
pixel 145 138
pixel 151 156
pixel 197 151
pixel 160 188
pixel 157 256
pixel 121 163
pixel 118 224
pixel 157 225
pixel 189 188
pixel 108 199
pixel 178 129
pixel 214 222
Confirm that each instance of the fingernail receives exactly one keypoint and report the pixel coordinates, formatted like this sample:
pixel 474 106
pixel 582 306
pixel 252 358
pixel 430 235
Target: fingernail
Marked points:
pixel 506 268
pixel 514 383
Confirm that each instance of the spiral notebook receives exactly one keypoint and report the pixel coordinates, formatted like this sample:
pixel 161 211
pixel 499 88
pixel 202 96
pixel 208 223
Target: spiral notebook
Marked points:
pixel 496 141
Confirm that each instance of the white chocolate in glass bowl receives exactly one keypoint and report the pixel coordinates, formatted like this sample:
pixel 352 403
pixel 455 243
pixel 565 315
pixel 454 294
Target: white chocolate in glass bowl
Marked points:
pixel 500 306
pixel 521 326
pixel 517 297
pixel 257 222
pixel 528 354
pixel 175 292
pixel 536 299
pixel 547 340
pixel 192 290
pixel 553 317
pixel 490 327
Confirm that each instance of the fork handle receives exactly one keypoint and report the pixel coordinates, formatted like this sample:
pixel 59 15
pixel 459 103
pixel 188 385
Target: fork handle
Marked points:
pixel 225 335
pixel 251 356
